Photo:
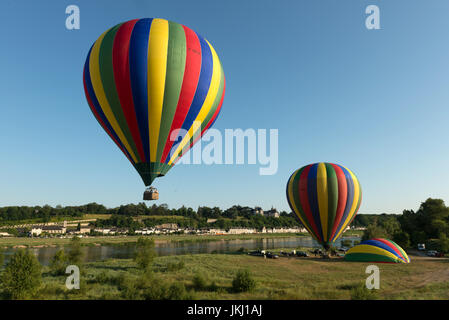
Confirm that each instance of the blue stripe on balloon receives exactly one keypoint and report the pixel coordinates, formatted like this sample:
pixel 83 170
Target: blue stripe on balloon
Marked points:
pixel 138 60
pixel 382 245
pixel 313 197
pixel 96 104
pixel 200 93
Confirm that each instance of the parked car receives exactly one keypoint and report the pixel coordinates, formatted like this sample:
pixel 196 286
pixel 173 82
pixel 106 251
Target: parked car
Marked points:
pixel 432 253
pixel 257 253
pixel 343 249
pixel 421 246
pixel 272 255
pixel 301 254
pixel 439 254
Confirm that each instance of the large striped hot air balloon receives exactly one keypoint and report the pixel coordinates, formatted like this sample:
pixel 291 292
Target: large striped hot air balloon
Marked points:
pixel 325 197
pixel 155 86
pixel 377 250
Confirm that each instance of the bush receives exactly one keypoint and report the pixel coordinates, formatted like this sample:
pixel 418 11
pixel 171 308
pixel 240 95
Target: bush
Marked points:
pixel 145 253
pixel 58 263
pixel 22 276
pixel 243 282
pixel 199 282
pixel 177 291
pixel 363 293
pixel 175 266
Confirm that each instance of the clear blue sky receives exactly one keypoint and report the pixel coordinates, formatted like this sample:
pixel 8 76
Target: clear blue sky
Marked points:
pixel 376 101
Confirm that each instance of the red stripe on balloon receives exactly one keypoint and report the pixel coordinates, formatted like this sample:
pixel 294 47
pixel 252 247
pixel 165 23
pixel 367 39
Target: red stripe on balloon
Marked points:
pixel 97 116
pixel 304 200
pixel 214 116
pixel 342 197
pixel 392 246
pixel 120 62
pixel 189 85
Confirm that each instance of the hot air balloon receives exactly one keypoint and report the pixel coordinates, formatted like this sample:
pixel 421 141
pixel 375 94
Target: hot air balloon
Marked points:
pixel 155 86
pixel 377 250
pixel 325 197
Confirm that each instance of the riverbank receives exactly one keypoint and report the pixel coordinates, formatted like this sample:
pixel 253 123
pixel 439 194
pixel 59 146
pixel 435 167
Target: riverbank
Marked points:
pixel 283 278
pixel 118 240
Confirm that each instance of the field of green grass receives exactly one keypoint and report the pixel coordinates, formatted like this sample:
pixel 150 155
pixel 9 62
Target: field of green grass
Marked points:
pixel 283 278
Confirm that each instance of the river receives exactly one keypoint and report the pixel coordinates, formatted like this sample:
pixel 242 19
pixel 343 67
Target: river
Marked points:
pixel 126 251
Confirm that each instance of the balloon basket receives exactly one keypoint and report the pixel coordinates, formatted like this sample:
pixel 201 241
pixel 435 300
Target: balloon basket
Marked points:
pixel 151 194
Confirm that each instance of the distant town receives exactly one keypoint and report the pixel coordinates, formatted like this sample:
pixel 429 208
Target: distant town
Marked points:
pixel 86 227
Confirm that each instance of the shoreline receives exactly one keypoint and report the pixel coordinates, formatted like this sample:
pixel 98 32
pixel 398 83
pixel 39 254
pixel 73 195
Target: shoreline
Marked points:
pixel 19 242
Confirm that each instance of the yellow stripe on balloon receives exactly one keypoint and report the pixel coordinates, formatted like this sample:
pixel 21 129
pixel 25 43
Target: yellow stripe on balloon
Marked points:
pixel 97 84
pixel 295 208
pixel 364 248
pixel 355 201
pixel 157 68
pixel 208 102
pixel 321 186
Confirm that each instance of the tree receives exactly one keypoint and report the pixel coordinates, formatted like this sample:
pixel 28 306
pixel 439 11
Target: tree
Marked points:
pixel 2 258
pixel 145 253
pixel 75 254
pixel 374 231
pixel 22 276
pixel 402 239
pixel 58 263
pixel 443 243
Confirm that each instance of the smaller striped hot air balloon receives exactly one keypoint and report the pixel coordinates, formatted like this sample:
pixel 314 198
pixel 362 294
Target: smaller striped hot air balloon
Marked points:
pixel 325 197
pixel 377 250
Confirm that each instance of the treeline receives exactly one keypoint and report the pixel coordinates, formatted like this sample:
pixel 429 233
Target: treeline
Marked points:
pixel 428 225
pixel 235 216
pixel 46 212
pixel 198 222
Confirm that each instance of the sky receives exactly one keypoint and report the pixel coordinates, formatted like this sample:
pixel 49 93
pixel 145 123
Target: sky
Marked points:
pixel 375 101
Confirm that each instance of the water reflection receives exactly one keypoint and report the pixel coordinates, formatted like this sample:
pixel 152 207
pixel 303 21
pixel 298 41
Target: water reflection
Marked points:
pixel 126 251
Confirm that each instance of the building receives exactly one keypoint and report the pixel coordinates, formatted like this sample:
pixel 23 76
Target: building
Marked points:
pixel 5 234
pixel 103 230
pixel 145 231
pixel 35 231
pixel 241 231
pixel 54 229
pixel 257 210
pixel 82 230
pixel 167 226
pixel 272 213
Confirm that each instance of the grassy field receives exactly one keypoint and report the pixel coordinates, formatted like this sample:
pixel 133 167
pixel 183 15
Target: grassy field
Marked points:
pixel 283 278
pixel 116 240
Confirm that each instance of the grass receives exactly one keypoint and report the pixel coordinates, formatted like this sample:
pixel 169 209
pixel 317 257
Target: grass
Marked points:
pixel 283 278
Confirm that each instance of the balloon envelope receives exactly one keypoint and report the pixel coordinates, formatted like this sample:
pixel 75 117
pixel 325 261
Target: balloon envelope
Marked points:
pixel 155 86
pixel 377 250
pixel 325 197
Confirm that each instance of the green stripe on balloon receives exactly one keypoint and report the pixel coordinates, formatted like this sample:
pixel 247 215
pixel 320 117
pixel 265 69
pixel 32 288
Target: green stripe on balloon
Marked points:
pixel 370 257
